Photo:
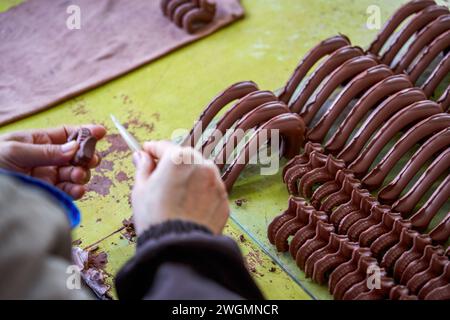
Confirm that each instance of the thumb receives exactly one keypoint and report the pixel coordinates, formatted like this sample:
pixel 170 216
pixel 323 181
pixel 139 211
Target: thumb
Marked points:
pixel 35 155
pixel 144 165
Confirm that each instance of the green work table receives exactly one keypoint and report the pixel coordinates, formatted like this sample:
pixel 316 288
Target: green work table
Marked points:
pixel 170 93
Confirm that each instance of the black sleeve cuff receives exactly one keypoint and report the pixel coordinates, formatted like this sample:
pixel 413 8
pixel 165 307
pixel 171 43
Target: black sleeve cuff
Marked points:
pixel 213 258
pixel 172 226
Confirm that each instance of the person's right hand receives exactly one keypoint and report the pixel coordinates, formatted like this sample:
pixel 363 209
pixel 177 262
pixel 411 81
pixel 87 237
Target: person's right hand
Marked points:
pixel 166 189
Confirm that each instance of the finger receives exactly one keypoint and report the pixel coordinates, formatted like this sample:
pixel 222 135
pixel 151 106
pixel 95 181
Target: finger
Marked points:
pixel 61 134
pixel 144 165
pixel 76 175
pixel 95 161
pixel 157 149
pixel 46 174
pixel 76 191
pixel 28 155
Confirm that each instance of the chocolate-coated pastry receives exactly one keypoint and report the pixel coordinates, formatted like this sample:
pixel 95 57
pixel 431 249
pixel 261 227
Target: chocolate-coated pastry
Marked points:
pixel 291 227
pixel 290 127
pixel 252 119
pixel 302 158
pixel 355 203
pixel 401 292
pixel 420 242
pixel 181 11
pixel 435 268
pixel 308 231
pixel 374 179
pixel 422 218
pixel 235 91
pixel 236 112
pixel 347 267
pixel 392 191
pixel 424 38
pixel 295 173
pixel 406 241
pixel 329 262
pixel 428 55
pixel 189 14
pixel 441 293
pixel 383 234
pixel 444 100
pixel 336 59
pixel 352 278
pixel 356 86
pixel 320 240
pixel 373 96
pixel 202 15
pixel 342 196
pixel 343 73
pixel 321 174
pixel 394 22
pixel 421 264
pixel 279 220
pixel 311 58
pixel 436 77
pixel 334 243
pixel 376 214
pixel 385 240
pixel 366 202
pixel 427 15
pixel 360 290
pixel 407 202
pixel 441 233
pixel 382 113
pixel 410 115
pixel 86 147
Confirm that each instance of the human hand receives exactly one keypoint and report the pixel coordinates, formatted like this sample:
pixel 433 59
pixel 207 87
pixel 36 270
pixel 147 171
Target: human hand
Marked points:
pixel 45 154
pixel 166 189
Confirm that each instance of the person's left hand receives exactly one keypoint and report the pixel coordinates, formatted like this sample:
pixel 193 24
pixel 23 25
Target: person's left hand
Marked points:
pixel 46 155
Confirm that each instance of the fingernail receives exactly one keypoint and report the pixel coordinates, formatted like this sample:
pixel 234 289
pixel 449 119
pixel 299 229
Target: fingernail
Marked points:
pixel 68 147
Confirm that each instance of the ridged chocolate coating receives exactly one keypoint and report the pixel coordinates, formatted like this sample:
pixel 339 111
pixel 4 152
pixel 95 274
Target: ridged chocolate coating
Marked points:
pixel 357 85
pixel 419 21
pixel 323 231
pixel 343 73
pixel 235 91
pixel 420 264
pixel 313 81
pixel 390 193
pixel 377 93
pixel 311 58
pixel 394 22
pixel 374 179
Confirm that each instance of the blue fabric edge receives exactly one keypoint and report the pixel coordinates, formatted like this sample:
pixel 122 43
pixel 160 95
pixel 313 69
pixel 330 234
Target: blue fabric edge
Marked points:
pixel 66 202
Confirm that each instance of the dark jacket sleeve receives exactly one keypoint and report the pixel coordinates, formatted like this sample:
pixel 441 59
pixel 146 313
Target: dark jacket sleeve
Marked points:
pixel 185 261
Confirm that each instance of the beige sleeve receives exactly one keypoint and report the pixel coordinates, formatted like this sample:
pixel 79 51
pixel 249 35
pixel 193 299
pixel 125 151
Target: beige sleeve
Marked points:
pixel 35 245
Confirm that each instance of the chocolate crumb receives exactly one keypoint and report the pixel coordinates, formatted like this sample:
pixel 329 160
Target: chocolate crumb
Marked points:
pixel 240 202
pixel 273 269
pixel 242 238
pixel 130 233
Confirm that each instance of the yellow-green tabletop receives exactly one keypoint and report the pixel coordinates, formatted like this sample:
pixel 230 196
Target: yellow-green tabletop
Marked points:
pixel 171 92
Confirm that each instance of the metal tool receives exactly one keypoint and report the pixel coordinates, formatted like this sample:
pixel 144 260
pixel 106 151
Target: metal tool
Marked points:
pixel 130 140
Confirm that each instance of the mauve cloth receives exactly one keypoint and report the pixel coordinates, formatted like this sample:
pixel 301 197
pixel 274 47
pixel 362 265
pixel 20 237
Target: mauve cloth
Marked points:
pixel 42 62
